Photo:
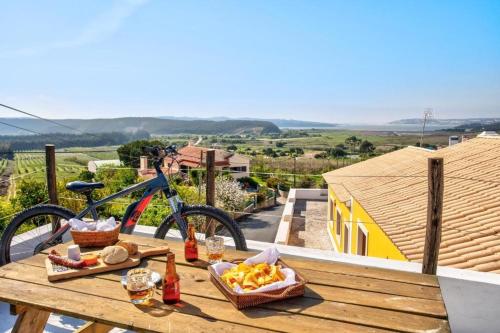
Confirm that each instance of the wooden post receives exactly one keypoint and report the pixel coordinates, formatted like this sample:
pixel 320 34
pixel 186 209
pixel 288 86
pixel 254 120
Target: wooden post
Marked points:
pixel 434 215
pixel 50 163
pixel 210 177
pixel 294 171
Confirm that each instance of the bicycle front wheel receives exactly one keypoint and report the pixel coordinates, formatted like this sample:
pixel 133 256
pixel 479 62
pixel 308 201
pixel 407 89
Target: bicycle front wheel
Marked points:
pixel 208 221
pixel 27 234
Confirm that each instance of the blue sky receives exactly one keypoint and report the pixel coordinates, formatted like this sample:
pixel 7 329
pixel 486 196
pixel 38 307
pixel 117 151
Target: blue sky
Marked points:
pixel 337 61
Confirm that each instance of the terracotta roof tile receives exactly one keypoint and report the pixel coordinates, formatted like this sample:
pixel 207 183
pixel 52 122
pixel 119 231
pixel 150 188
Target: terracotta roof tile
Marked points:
pixel 392 188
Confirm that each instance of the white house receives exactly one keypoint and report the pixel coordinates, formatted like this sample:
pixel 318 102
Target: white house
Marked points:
pixel 92 166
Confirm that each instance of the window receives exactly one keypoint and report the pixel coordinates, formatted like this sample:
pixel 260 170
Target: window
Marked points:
pixel 332 210
pixel 362 241
pixel 347 238
pixel 338 223
pixel 239 168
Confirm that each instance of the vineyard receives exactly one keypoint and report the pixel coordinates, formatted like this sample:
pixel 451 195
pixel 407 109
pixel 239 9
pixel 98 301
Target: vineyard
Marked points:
pixel 69 164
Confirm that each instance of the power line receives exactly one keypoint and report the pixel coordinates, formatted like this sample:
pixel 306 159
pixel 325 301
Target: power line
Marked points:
pixel 21 128
pixel 44 119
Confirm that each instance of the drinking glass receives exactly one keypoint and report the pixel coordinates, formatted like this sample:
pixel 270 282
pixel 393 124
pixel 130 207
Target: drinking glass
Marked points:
pixel 215 249
pixel 140 285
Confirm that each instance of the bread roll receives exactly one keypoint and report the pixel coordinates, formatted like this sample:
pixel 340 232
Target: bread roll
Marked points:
pixel 114 254
pixel 131 247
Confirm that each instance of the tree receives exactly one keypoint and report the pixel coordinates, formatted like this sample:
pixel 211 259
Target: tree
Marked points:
pixel 232 148
pixel 280 144
pixel 366 147
pixel 131 152
pixel 352 142
pixel 296 151
pixel 337 152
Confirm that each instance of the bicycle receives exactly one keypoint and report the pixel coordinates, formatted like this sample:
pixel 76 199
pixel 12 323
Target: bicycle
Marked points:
pixel 42 226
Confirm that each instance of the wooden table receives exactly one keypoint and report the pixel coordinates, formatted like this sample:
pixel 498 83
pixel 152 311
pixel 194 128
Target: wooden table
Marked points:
pixel 339 297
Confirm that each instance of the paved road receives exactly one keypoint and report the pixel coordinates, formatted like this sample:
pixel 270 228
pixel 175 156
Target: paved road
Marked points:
pixel 263 225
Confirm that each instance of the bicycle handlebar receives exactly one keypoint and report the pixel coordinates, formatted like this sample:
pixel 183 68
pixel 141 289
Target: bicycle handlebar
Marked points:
pixel 161 152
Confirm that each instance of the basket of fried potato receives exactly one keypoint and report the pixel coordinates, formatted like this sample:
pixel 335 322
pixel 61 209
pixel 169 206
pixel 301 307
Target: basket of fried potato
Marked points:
pixel 251 277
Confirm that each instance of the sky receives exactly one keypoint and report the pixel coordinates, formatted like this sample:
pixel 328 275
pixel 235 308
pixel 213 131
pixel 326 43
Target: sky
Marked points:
pixel 335 61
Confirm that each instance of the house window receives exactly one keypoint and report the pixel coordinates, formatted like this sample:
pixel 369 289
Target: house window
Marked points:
pixel 239 168
pixel 332 210
pixel 347 238
pixel 338 223
pixel 362 249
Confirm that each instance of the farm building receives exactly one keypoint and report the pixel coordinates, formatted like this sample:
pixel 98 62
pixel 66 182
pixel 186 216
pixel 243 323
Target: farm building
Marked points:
pixel 93 166
pixel 379 207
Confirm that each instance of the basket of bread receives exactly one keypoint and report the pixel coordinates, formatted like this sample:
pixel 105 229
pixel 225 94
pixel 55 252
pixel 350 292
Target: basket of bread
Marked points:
pixel 95 233
pixel 260 279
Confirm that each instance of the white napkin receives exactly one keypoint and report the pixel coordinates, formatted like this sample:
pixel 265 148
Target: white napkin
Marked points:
pixel 269 256
pixel 101 225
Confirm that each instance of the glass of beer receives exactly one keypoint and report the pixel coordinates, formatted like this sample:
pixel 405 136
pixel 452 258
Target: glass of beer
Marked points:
pixel 215 249
pixel 140 285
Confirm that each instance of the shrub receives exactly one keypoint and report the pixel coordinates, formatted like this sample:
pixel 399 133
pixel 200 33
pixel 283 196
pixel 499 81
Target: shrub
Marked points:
pixel 30 193
pixel 228 194
pixel 247 182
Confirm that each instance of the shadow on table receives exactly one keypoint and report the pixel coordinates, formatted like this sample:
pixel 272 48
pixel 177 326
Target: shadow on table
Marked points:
pixel 156 308
pixel 285 307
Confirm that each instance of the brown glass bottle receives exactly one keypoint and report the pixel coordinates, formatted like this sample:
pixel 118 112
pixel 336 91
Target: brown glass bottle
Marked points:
pixel 191 244
pixel 171 286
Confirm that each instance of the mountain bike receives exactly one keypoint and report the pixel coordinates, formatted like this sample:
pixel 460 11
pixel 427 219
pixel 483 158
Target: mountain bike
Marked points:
pixel 45 225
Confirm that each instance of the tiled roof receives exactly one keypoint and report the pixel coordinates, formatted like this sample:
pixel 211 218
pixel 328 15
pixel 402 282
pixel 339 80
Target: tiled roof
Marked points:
pixel 192 156
pixel 392 188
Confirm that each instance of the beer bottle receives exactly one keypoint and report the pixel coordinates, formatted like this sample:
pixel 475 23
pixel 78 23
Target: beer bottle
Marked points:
pixel 191 245
pixel 171 287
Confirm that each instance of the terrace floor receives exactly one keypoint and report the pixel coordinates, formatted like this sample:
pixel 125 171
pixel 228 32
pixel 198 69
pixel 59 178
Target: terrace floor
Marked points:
pixel 308 227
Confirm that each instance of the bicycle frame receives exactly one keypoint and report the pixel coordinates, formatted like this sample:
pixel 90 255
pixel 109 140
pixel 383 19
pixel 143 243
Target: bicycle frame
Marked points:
pixel 135 209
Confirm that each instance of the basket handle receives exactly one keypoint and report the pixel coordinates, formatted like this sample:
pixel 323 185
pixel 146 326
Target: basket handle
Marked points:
pixel 280 295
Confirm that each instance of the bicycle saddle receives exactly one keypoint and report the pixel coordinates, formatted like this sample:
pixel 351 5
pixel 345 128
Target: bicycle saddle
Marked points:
pixel 83 187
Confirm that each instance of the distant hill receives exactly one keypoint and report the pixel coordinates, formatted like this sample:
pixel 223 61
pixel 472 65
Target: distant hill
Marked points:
pixel 446 122
pixel 477 127
pixel 281 123
pixel 149 124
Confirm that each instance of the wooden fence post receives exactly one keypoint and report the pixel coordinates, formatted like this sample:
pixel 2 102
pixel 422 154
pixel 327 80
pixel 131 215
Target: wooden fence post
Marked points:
pixel 210 177
pixel 50 163
pixel 434 215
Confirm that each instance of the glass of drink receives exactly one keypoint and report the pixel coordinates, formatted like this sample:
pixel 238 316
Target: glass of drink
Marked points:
pixel 140 285
pixel 215 249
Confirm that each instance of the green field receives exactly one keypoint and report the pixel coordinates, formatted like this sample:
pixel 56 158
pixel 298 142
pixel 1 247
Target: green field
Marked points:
pixel 318 140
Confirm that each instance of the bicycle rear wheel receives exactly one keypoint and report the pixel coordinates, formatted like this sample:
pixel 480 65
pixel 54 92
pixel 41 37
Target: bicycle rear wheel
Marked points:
pixel 208 221
pixel 30 229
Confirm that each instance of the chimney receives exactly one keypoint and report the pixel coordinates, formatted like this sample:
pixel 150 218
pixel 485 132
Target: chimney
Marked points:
pixel 452 140
pixel 143 163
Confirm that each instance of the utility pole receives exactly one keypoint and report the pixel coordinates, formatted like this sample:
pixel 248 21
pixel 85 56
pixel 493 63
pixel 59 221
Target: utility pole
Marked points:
pixel 427 116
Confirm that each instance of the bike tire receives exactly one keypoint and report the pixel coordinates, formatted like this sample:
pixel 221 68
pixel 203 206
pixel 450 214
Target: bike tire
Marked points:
pixel 208 211
pixel 24 217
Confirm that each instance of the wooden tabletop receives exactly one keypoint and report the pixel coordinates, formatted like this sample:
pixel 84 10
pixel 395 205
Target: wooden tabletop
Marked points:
pixel 341 297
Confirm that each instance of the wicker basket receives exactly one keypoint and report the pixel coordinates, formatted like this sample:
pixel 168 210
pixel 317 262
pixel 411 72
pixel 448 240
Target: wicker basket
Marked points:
pixel 96 238
pixel 241 301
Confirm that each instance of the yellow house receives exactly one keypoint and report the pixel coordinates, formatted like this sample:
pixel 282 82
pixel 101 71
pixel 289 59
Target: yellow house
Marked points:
pixel 378 207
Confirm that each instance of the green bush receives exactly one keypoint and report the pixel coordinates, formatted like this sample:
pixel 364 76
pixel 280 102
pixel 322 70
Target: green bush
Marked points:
pixel 30 193
pixel 247 182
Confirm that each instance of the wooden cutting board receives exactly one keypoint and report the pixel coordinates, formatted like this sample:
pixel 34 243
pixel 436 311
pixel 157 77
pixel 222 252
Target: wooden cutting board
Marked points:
pixel 56 272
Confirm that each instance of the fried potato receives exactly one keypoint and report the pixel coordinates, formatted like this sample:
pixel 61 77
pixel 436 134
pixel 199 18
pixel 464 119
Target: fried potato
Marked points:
pixel 252 277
